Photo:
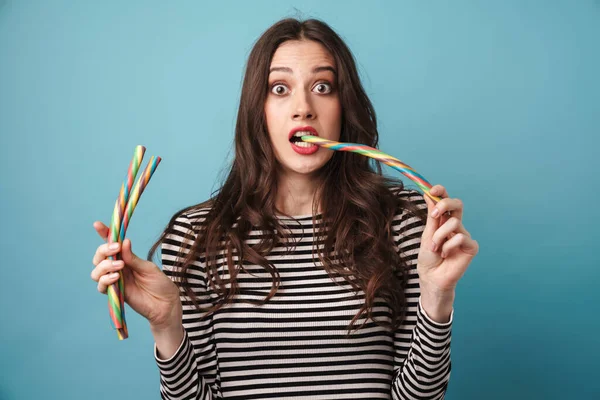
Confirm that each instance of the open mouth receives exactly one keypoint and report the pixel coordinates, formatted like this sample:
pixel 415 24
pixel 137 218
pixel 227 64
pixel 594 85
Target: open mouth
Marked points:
pixel 296 138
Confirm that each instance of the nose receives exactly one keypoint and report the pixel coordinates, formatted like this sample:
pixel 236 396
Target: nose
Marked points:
pixel 302 108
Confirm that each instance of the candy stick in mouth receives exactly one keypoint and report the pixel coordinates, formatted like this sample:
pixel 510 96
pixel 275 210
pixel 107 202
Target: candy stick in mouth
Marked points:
pixel 377 155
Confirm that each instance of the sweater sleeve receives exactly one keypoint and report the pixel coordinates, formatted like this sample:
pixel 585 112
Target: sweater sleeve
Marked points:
pixel 422 346
pixel 191 373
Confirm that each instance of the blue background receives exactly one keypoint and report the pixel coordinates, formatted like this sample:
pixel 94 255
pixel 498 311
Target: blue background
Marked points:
pixel 498 101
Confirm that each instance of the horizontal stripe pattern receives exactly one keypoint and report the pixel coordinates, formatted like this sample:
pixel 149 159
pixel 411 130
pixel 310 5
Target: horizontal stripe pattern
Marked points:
pixel 296 346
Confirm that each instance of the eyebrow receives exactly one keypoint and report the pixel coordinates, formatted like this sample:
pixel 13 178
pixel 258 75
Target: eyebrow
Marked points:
pixel 314 71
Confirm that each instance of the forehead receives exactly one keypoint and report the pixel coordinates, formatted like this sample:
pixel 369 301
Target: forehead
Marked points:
pixel 301 53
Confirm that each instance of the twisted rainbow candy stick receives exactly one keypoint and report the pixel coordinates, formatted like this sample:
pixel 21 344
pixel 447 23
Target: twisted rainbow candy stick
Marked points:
pixel 121 203
pixel 377 155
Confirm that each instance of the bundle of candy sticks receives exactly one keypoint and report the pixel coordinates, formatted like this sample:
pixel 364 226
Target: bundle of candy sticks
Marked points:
pixel 124 207
pixel 377 155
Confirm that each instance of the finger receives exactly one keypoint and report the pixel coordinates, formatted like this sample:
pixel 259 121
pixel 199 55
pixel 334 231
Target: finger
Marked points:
pixel 134 262
pixel 450 207
pixel 104 251
pixel 105 267
pixel 439 191
pixel 431 225
pixel 448 230
pixel 461 242
pixel 101 229
pixel 107 280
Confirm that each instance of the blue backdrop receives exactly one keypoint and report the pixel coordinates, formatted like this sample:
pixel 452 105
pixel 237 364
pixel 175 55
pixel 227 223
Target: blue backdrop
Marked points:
pixel 498 101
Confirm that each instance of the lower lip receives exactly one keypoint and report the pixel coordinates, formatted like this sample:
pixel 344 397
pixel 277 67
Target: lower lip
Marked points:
pixel 305 150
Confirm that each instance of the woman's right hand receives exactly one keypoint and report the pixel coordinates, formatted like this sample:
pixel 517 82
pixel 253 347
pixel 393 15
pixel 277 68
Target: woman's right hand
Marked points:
pixel 148 291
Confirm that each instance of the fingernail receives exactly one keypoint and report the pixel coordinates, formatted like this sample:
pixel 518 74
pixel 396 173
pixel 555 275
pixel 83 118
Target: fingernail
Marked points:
pixel 435 212
pixel 433 246
pixel 114 275
pixel 116 264
pixel 114 246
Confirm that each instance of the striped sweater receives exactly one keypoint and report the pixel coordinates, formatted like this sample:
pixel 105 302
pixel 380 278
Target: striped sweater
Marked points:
pixel 296 345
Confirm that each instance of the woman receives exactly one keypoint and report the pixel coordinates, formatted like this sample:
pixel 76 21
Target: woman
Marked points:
pixel 346 281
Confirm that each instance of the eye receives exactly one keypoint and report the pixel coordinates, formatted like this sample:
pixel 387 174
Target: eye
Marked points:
pixel 323 88
pixel 279 89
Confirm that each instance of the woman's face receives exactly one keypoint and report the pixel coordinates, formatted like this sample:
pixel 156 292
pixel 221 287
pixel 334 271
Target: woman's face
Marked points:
pixel 302 93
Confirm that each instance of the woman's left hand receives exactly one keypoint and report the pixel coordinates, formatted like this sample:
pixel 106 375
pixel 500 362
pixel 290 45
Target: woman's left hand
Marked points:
pixel 441 267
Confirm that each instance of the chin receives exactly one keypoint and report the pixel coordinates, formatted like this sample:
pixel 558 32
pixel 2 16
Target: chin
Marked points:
pixel 307 168
pixel 303 169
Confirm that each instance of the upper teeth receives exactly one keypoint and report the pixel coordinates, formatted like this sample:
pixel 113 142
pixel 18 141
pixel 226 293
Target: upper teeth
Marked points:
pixel 303 133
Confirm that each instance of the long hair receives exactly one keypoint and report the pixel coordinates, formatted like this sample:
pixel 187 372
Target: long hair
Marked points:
pixel 358 202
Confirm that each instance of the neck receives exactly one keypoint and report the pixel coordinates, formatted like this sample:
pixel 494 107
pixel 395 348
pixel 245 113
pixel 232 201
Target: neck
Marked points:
pixel 295 194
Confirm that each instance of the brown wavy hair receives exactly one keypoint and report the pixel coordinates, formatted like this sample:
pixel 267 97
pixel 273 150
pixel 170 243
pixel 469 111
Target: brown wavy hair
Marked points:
pixel 358 202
